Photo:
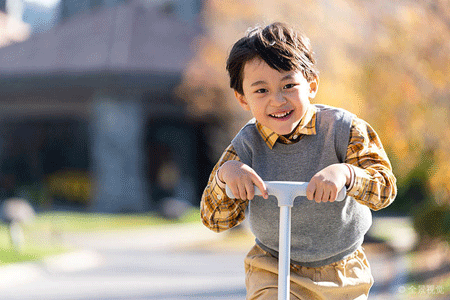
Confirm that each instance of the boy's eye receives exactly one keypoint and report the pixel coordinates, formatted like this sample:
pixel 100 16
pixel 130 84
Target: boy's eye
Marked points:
pixel 261 91
pixel 290 85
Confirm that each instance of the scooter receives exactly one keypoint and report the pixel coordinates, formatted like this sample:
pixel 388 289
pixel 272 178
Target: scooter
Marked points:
pixel 285 192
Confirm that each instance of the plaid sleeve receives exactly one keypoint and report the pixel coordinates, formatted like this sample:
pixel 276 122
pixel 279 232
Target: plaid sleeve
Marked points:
pixel 218 212
pixel 374 183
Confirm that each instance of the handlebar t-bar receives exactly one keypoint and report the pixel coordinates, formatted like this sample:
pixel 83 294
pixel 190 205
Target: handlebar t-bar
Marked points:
pixel 287 191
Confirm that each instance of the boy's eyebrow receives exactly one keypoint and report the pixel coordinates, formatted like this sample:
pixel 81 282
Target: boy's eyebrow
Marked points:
pixel 258 82
pixel 288 76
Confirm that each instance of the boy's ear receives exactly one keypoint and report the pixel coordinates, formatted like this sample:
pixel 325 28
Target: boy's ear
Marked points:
pixel 313 87
pixel 242 101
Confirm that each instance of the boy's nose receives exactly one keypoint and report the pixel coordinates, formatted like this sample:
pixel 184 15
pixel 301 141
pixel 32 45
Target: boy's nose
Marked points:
pixel 278 99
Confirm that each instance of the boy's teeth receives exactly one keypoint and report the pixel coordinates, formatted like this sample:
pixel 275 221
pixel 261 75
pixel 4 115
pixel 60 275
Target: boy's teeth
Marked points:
pixel 281 115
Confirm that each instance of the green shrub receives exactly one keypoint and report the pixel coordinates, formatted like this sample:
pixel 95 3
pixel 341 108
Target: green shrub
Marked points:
pixel 432 220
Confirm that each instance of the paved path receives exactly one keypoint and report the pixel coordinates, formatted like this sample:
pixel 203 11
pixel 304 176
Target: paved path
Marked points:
pixel 152 263
pixel 179 262
pixel 138 274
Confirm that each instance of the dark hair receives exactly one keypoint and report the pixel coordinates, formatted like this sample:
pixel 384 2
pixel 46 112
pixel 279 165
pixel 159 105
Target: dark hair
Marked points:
pixel 280 46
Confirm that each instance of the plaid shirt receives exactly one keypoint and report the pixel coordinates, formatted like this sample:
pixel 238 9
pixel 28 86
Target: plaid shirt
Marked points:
pixel 373 183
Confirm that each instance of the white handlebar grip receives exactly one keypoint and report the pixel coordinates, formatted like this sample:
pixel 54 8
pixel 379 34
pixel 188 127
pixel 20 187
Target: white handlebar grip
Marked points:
pixel 229 192
pixel 285 188
pixel 342 194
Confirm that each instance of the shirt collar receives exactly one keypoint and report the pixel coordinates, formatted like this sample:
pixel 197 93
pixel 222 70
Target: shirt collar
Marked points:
pixel 306 126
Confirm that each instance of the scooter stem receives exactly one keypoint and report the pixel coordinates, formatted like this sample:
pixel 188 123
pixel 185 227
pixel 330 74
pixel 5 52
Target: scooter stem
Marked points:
pixel 285 192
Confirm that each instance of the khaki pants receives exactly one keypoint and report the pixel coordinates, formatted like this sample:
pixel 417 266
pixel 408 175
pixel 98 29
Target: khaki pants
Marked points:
pixel 348 279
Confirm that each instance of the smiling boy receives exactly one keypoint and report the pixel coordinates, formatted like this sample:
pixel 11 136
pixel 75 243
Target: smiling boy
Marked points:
pixel 273 74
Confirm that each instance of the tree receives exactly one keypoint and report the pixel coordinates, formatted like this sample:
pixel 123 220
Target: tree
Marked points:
pixel 387 62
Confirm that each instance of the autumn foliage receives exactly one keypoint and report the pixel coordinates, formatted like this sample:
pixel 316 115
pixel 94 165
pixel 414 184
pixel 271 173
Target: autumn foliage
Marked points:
pixel 388 62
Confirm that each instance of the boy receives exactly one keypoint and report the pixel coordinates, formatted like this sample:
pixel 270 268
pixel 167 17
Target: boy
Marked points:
pixel 273 74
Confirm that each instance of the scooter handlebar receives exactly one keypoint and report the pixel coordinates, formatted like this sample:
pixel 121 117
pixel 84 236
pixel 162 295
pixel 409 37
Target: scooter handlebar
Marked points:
pixel 287 191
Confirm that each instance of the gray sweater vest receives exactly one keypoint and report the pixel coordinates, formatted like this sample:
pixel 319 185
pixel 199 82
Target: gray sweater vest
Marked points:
pixel 322 233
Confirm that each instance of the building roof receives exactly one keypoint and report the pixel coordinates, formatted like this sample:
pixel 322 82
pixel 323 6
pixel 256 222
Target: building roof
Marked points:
pixel 127 45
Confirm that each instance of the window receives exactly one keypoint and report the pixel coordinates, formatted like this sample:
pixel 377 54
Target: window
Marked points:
pixel 45 162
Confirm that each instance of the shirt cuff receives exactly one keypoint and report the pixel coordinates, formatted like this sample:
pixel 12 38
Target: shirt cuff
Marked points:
pixel 357 190
pixel 218 187
pixel 352 177
pixel 219 182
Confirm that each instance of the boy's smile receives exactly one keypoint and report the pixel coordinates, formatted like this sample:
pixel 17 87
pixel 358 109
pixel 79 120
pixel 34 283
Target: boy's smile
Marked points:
pixel 278 100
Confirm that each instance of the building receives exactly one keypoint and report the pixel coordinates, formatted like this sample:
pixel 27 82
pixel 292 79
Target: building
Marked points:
pixel 87 113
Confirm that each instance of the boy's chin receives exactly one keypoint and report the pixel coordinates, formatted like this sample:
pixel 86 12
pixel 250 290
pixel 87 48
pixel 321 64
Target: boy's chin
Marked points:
pixel 285 132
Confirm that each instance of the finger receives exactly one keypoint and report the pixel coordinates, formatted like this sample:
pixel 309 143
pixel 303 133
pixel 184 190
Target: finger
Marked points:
pixel 242 193
pixel 259 183
pixel 235 191
pixel 333 195
pixel 310 190
pixel 250 190
pixel 325 196
pixel 318 195
pixel 264 191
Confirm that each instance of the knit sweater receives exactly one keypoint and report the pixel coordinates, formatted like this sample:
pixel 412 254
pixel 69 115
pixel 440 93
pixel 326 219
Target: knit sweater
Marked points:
pixel 322 233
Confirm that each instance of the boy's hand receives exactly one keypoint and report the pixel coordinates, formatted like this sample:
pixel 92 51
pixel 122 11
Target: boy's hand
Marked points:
pixel 326 184
pixel 241 179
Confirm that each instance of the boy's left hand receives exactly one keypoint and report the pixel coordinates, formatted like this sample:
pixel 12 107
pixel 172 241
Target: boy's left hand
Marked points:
pixel 326 184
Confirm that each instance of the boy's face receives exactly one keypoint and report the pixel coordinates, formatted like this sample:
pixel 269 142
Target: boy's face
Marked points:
pixel 278 100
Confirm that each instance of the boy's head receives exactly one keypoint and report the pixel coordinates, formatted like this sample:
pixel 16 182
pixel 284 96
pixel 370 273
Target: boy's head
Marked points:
pixel 278 45
pixel 273 75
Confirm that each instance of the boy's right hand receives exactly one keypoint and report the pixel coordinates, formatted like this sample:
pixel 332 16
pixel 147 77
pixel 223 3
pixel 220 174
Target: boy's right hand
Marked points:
pixel 241 179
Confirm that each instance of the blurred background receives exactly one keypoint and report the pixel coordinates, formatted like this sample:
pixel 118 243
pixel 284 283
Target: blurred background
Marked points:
pixel 123 106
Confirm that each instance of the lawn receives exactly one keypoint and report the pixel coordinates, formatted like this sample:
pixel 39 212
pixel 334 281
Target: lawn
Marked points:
pixel 75 222
pixel 42 235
